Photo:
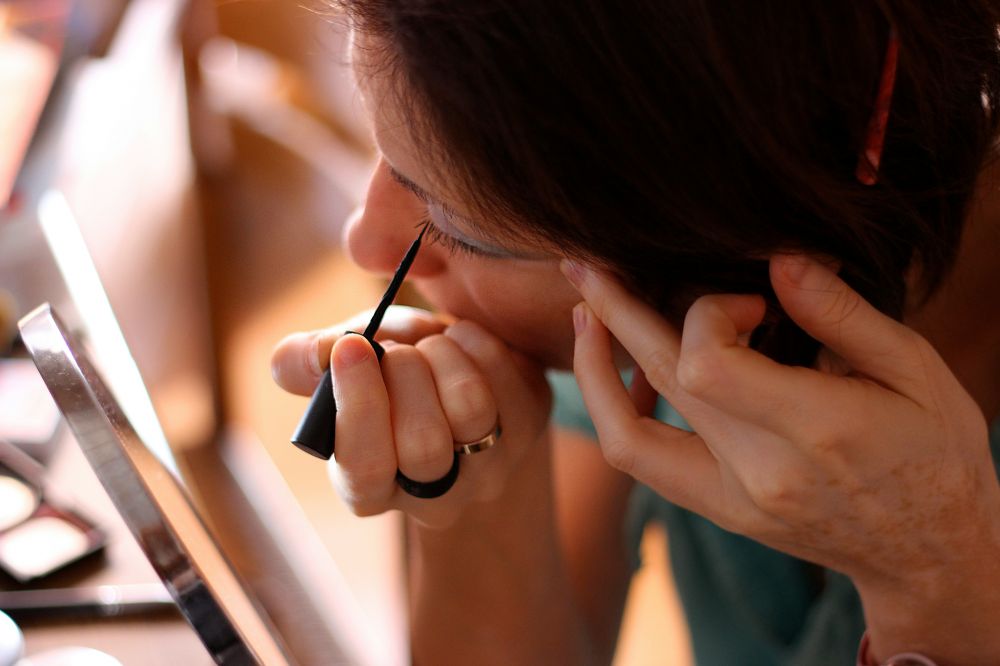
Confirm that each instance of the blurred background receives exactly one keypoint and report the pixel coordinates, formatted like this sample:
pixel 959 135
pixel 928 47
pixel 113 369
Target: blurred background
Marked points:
pixel 210 151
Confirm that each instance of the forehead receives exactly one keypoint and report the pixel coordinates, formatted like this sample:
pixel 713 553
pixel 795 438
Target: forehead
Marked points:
pixel 390 114
pixel 394 118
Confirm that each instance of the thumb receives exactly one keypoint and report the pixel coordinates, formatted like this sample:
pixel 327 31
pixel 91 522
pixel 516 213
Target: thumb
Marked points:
pixel 828 309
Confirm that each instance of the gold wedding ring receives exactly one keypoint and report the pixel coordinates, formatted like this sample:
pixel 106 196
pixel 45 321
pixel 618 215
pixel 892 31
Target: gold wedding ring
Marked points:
pixel 481 444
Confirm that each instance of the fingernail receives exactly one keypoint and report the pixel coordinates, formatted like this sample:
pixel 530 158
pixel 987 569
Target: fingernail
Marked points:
pixel 579 318
pixel 573 271
pixel 351 351
pixel 312 358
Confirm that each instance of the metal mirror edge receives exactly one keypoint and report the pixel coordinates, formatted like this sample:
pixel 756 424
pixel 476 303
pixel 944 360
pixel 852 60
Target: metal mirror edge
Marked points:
pixel 206 588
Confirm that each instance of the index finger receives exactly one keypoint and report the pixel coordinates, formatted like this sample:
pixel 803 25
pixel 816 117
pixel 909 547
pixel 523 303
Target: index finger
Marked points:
pixel 298 360
pixel 653 343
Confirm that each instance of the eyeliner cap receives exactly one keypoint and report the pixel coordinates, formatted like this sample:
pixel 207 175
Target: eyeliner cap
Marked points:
pixel 317 429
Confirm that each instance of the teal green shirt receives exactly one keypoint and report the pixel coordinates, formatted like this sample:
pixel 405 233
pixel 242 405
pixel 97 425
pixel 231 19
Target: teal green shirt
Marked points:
pixel 746 604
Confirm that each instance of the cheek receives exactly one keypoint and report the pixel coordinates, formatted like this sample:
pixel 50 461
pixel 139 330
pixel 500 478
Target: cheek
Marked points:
pixel 528 308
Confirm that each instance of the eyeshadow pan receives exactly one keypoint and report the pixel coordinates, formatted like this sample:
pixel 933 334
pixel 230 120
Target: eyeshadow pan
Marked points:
pixel 17 501
pixel 41 545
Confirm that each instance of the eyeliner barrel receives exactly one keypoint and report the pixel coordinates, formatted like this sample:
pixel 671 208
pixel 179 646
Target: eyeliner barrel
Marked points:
pixel 316 432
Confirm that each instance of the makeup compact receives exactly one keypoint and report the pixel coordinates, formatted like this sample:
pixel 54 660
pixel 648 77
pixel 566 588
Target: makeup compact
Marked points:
pixel 37 538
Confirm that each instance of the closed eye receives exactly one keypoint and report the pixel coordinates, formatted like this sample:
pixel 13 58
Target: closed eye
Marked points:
pixel 451 244
pixel 438 212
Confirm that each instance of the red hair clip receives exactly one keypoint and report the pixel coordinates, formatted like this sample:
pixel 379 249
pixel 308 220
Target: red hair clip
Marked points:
pixel 871 155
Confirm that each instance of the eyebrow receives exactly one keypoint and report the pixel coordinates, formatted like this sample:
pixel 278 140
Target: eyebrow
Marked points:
pixel 418 191
pixel 426 197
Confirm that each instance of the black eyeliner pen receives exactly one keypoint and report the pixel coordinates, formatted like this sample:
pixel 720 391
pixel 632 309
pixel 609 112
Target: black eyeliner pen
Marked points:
pixel 317 430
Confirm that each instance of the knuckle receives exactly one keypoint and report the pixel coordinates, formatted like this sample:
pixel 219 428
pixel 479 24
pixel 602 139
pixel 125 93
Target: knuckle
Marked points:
pixel 468 398
pixel 425 448
pixel 741 519
pixel 707 306
pixel 661 368
pixel 420 456
pixel 433 342
pixel 368 473
pixel 400 355
pixel 773 493
pixel 477 342
pixel 619 453
pixel 615 315
pixel 698 372
pixel 740 513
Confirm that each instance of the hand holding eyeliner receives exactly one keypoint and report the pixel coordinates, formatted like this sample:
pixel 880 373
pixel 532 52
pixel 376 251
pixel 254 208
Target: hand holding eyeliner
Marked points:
pixel 316 432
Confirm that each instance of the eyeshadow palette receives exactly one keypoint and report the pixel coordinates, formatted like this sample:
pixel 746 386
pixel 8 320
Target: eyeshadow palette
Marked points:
pixel 37 538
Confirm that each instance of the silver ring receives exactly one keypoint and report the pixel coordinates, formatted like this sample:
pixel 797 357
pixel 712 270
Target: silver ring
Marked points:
pixel 481 444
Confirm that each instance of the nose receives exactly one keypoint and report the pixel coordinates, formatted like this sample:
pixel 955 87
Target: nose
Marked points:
pixel 377 234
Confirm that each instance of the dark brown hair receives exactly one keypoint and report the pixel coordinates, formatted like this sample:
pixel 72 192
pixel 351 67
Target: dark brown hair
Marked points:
pixel 682 142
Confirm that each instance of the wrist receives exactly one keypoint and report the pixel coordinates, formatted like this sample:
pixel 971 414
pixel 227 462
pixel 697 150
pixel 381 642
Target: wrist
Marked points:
pixel 948 612
pixel 499 561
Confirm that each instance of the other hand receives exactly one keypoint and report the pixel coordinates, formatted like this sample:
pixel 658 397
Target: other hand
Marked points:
pixel 880 470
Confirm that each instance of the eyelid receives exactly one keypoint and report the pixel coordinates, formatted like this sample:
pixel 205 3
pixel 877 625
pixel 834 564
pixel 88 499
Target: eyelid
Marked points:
pixel 454 245
pixel 420 193
pixel 409 185
pixel 440 220
pixel 440 213
pixel 414 190
pixel 439 216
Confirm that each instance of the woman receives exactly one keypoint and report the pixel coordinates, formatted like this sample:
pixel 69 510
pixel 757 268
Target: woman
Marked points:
pixel 675 186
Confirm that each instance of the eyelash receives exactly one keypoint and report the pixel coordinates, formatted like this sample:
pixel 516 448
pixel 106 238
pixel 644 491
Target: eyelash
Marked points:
pixel 450 243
